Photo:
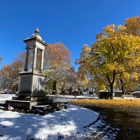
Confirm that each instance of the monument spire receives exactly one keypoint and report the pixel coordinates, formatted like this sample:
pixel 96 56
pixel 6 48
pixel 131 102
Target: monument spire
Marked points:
pixel 37 31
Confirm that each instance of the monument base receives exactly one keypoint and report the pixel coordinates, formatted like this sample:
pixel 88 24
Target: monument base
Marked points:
pixel 27 102
pixel 36 106
pixel 18 104
pixel 31 92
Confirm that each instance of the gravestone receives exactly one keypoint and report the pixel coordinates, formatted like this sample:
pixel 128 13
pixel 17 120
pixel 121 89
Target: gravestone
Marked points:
pixel 118 94
pixel 103 94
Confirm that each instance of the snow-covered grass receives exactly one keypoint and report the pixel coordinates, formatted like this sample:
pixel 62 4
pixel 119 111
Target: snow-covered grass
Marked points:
pixel 4 97
pixel 73 123
pixel 66 123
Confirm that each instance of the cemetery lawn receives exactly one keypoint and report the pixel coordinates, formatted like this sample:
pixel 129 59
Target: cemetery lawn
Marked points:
pixel 108 103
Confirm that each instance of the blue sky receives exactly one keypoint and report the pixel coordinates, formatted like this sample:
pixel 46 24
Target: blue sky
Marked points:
pixel 72 22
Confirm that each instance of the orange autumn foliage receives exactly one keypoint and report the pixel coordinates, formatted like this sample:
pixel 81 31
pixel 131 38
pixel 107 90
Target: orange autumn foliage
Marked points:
pixel 57 55
pixel 133 25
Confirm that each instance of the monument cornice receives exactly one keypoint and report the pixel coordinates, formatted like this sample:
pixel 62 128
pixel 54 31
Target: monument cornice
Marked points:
pixel 35 38
pixel 31 73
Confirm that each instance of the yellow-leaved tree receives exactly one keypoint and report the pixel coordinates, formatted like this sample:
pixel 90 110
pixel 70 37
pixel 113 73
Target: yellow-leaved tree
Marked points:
pixel 133 25
pixel 114 54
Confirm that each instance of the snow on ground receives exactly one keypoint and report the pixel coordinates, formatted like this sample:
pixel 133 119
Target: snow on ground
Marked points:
pixel 66 124
pixel 73 123
pixel 4 97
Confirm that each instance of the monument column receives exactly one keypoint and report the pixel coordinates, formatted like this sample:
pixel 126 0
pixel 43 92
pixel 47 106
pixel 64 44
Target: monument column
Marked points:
pixel 42 59
pixel 31 91
pixel 34 58
pixel 26 60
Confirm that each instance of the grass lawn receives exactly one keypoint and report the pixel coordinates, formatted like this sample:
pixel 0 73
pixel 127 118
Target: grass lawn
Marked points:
pixel 119 103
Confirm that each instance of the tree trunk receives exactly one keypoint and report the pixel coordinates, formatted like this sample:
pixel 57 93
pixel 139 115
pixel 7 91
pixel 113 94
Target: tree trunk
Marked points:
pixel 70 90
pixel 122 86
pixel 63 87
pixel 111 83
pixel 54 84
pixel 111 91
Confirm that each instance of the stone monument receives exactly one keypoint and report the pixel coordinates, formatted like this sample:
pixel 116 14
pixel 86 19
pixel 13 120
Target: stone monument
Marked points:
pixel 34 78
pixel 31 91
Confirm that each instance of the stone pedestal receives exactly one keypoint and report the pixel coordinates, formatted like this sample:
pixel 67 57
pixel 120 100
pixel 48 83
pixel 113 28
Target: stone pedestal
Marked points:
pixel 31 83
pixel 31 91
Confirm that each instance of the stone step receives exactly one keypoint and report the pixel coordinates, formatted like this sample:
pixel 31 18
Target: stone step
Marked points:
pixel 28 98
pixel 41 102
pixel 38 109
pixel 56 104
pixel 43 94
pixel 43 110
pixel 47 107
pixel 39 98
pixel 23 94
pixel 18 104
pixel 21 98
pixel 42 107
pixel 38 94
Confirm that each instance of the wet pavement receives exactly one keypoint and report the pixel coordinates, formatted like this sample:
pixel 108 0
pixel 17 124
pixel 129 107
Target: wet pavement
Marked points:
pixel 118 124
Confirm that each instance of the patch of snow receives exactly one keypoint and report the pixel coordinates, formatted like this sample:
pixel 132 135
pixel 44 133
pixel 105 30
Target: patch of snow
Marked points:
pixel 64 123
